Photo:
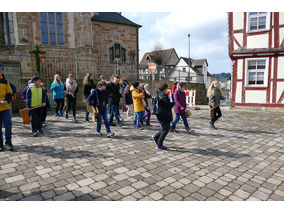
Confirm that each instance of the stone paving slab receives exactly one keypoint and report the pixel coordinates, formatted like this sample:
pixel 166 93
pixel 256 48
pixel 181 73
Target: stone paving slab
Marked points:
pixel 242 160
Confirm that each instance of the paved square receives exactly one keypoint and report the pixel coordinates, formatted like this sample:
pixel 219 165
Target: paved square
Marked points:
pixel 242 160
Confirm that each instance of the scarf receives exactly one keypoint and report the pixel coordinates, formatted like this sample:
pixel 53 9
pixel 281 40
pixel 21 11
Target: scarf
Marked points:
pixel 147 91
pixel 71 86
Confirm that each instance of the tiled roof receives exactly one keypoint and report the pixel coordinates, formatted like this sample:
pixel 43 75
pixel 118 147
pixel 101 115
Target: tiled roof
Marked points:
pixel 197 65
pixel 164 53
pixel 113 17
pixel 196 62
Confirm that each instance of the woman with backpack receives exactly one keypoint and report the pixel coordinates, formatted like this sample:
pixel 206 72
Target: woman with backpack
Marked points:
pixel 164 115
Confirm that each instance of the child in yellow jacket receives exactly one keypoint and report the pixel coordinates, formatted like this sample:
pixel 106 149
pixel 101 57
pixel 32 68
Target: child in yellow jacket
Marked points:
pixel 6 94
pixel 137 97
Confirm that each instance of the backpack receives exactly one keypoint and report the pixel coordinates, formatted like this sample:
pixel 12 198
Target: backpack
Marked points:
pixel 155 109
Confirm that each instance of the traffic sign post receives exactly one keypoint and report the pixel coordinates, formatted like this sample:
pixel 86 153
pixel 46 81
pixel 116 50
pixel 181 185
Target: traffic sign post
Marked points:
pixel 152 67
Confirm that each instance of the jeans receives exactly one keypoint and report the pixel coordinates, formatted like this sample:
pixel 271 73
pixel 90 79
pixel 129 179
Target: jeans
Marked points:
pixel 217 114
pixel 36 115
pixel 5 118
pixel 102 113
pixel 140 116
pixel 87 115
pixel 184 118
pixel 161 135
pixel 71 102
pixel 59 105
pixel 114 112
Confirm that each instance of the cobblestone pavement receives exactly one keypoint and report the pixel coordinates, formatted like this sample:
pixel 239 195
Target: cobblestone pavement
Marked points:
pixel 242 160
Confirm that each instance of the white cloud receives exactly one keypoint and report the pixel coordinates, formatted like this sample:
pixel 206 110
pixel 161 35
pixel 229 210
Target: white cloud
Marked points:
pixel 176 22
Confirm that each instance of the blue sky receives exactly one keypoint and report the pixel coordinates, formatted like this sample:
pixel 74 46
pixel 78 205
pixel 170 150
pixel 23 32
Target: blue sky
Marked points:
pixel 209 35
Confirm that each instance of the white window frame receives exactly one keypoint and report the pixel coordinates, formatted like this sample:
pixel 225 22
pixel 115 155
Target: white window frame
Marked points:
pixel 265 80
pixel 267 27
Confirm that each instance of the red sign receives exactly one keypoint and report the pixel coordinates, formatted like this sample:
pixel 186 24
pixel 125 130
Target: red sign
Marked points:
pixel 168 92
pixel 152 67
pixel 192 93
pixel 187 93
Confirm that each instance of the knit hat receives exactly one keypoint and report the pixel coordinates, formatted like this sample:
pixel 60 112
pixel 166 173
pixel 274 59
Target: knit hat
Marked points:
pixel 146 85
pixel 30 81
pixel 180 84
pixel 135 84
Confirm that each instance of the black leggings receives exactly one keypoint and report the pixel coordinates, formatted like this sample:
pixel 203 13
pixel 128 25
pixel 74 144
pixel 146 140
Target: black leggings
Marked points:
pixel 71 103
pixel 217 114
pixel 161 135
pixel 59 105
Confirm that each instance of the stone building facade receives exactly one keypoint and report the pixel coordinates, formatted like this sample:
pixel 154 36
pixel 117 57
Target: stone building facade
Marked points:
pixel 74 42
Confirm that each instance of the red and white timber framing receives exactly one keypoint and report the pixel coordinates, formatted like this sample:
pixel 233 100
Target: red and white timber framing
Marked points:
pixel 239 52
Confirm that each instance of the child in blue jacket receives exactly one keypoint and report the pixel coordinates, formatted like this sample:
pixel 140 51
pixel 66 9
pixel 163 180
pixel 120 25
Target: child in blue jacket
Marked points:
pixel 99 99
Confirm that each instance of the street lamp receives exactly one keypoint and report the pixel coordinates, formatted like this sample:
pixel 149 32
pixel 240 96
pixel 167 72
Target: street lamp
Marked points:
pixel 189 56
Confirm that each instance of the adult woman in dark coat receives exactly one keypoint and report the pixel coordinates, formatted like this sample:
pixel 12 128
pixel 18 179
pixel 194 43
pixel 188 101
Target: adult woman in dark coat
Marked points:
pixel 164 117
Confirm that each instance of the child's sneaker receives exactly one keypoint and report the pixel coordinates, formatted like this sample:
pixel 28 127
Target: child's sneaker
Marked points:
pixel 56 114
pixel 162 148
pixel 40 131
pixel 35 134
pixel 99 133
pixel 139 127
pixel 66 115
pixel 110 134
pixel 60 114
pixel 75 120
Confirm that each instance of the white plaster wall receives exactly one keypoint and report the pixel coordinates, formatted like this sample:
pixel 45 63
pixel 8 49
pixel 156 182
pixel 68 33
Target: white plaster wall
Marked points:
pixel 271 92
pixel 281 35
pixel 272 67
pixel 273 41
pixel 280 71
pixel 280 89
pixel 238 20
pixel 256 96
pixel 257 41
pixel 240 69
pixel 239 38
pixel 281 18
pixel 239 92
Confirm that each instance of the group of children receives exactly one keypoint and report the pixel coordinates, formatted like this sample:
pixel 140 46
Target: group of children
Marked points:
pixel 103 99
